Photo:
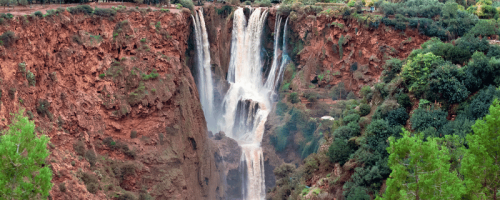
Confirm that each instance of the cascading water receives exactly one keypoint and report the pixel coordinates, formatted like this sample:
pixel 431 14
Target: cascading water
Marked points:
pixel 247 102
pixel 205 83
pixel 272 74
pixel 284 57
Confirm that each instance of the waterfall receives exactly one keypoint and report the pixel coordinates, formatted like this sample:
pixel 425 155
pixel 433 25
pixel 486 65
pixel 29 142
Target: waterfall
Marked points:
pixel 272 73
pixel 284 56
pixel 246 102
pixel 205 83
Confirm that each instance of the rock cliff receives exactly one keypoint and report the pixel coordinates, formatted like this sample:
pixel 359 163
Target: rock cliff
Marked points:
pixel 116 98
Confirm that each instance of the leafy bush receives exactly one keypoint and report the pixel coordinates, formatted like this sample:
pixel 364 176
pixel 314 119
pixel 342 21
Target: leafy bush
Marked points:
pixel 404 100
pixel 38 14
pixel 79 147
pixel 416 71
pixel 264 3
pixel 91 157
pixel 377 133
pixel 344 132
pixel 81 9
pixel 423 119
pixel 187 4
pixel 294 98
pixel 31 78
pixel 445 80
pixel 311 96
pixel 90 181
pixel 472 44
pixel 479 103
pixel 281 108
pixel 364 109
pixel 351 118
pixel 366 92
pixel 339 151
pixel 62 187
pixel 43 107
pixel 485 28
pixel 133 134
pixel 338 91
pixel 461 126
pixel 7 39
pixel 351 3
pixel 397 117
pixel 392 67
pixel 102 12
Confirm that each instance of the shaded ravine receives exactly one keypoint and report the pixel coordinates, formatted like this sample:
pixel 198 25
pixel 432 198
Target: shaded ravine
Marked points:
pixel 247 103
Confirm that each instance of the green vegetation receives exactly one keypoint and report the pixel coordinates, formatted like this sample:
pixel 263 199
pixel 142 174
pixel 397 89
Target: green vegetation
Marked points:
pixel 7 39
pixel 24 172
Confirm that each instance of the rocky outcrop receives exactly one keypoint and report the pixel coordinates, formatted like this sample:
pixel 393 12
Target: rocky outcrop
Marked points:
pixel 118 87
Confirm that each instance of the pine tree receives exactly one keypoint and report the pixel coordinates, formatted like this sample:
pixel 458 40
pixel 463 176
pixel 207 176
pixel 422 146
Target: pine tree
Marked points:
pixel 420 170
pixel 481 163
pixel 23 171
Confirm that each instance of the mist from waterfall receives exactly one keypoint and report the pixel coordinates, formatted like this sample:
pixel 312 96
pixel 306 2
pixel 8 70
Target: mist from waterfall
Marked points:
pixel 204 78
pixel 247 103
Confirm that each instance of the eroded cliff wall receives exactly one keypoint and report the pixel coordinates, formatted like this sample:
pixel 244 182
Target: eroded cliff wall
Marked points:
pixel 119 87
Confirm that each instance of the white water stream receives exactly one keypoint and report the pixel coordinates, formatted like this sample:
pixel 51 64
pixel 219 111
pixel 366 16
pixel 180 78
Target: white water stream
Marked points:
pixel 247 102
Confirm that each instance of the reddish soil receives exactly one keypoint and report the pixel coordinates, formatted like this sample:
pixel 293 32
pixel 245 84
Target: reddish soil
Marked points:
pixel 174 158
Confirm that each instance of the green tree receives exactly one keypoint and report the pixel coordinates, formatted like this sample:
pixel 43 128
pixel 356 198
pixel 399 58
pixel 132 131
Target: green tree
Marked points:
pixel 417 71
pixel 420 170
pixel 23 172
pixel 481 163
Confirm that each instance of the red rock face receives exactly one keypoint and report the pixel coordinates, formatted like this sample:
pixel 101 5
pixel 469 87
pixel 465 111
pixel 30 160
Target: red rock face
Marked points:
pixel 369 48
pixel 67 55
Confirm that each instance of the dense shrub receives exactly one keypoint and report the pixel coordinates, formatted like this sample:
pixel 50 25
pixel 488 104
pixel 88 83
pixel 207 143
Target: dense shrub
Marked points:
pixel 263 3
pixel 485 28
pixel 385 108
pixel 43 107
pixel 80 9
pixel 293 98
pixel 413 8
pixel 445 80
pixel 377 133
pixel 338 92
pixel 102 12
pixel 79 147
pixel 355 129
pixel 8 38
pixel 281 108
pixel 366 92
pixel 90 181
pixel 404 100
pixel 133 134
pixel 416 71
pixel 423 119
pixel 479 104
pixel 461 126
pixel 31 78
pixel 364 109
pixel 472 44
pixel 38 14
pixel 91 157
pixel 62 187
pixel 187 4
pixel 351 118
pixel 339 151
pixel 392 67
pixel 344 132
pixel 397 117
pixel 311 96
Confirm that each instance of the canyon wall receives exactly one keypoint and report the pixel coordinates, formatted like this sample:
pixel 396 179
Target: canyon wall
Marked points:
pixel 118 86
